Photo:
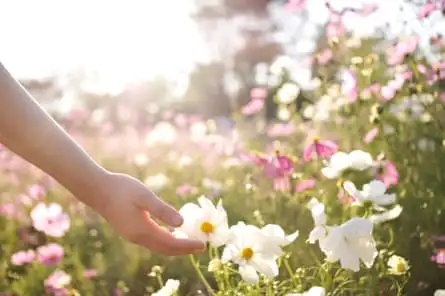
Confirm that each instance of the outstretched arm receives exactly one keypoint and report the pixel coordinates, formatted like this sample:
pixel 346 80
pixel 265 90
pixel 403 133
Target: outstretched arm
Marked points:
pixel 27 130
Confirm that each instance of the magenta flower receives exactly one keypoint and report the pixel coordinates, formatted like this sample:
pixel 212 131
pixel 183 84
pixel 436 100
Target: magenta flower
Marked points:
pixel 89 273
pixel 389 174
pixel 23 257
pixel 370 135
pixel 304 185
pixel 278 168
pixel 426 10
pixel 56 283
pixel 322 148
pixel 50 220
pixel 349 86
pixel 50 254
pixel 439 257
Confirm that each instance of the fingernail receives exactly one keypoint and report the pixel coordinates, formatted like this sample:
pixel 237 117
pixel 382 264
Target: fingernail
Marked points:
pixel 177 220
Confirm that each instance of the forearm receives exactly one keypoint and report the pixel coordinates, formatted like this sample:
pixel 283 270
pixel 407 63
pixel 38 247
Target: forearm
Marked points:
pixel 27 130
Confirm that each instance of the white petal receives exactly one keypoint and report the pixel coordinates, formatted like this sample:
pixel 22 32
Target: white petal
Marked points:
pixel 249 274
pixel 206 204
pixel 356 227
pixel 316 291
pixel 292 237
pixel 386 216
pixel 330 172
pixel 349 260
pixel 219 237
pixel 385 199
pixel 368 254
pixel 353 191
pixel 360 160
pixel 375 188
pixel 316 234
pixel 229 253
pixel 267 267
pixel 339 161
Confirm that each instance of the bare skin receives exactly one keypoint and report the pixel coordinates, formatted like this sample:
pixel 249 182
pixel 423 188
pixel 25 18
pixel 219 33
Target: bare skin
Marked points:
pixel 27 130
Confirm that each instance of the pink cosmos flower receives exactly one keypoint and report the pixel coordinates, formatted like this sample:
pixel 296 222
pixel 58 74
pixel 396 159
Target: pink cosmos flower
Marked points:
pixel 439 257
pixel 389 174
pixel 296 5
pixel 322 148
pixel 23 257
pixel 185 190
pixel 304 185
pixel 50 254
pixel 50 220
pixel 36 191
pixel 324 57
pixel 253 106
pixel 370 135
pixel 401 50
pixel 278 168
pixel 349 86
pixel 426 10
pixel 372 89
pixel 280 130
pixel 258 93
pixel 56 283
pixel 387 93
pixel 335 30
pixel 89 273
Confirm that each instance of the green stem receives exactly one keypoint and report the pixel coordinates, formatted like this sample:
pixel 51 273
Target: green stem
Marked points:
pixel 201 276
pixel 159 279
pixel 291 273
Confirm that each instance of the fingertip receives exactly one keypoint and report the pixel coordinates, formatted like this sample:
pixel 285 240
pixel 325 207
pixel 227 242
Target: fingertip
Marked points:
pixel 176 220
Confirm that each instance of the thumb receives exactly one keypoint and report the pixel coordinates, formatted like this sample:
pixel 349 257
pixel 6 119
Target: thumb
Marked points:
pixel 159 209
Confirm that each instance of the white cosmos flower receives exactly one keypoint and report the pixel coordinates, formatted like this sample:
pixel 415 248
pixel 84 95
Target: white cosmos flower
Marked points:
pixel 314 291
pixel 276 233
pixel 397 265
pixel 340 161
pixel 205 222
pixel 389 215
pixel 374 192
pixel 253 251
pixel 288 93
pixel 439 293
pixel 349 243
pixel 319 216
pixel 169 289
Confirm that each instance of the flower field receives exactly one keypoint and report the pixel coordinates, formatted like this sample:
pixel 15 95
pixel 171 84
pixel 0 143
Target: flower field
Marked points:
pixel 344 196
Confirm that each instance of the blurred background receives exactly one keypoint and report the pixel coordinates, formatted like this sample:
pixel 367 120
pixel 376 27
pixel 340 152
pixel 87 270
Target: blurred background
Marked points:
pixel 190 56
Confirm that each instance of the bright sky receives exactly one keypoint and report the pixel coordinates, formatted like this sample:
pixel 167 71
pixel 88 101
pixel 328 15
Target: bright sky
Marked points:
pixel 122 39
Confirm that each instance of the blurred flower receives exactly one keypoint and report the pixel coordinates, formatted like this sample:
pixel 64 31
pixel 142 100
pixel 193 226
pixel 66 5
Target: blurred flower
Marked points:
pixel 36 191
pixel 185 190
pixel 439 293
pixel 57 281
pixel 280 64
pixel 296 5
pixel 50 254
pixel 322 148
pixel 23 257
pixel 318 214
pixel 304 185
pixel 89 273
pixel 341 161
pixel 284 113
pixel 156 182
pixel 288 93
pixel 335 30
pixel 253 251
pixel 371 135
pixel 140 159
pixel 254 106
pixel 374 192
pixel 50 219
pixel 426 10
pixel 389 175
pixel 401 50
pixel 349 86
pixel 349 243
pixel 278 168
pixel 170 288
pixel 205 222
pixel 280 130
pixel 162 133
pixel 397 265
pixel 439 257
pixel 314 291
pixel 324 57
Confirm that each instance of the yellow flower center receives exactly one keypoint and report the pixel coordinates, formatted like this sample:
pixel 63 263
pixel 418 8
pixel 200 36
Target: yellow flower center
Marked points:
pixel 400 267
pixel 247 253
pixel 207 227
pixel 316 139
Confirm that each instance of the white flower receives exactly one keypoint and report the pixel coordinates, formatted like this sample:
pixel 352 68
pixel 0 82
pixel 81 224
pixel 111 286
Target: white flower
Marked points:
pixel 397 265
pixel 253 251
pixel 276 233
pixel 340 161
pixel 156 182
pixel 374 191
pixel 319 216
pixel 314 291
pixel 350 243
pixel 162 133
pixel 389 215
pixel 205 222
pixel 439 293
pixel 288 93
pixel 169 289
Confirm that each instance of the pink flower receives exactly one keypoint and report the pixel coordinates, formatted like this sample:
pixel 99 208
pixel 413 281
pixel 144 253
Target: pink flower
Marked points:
pixel 278 168
pixel 50 220
pixel 57 282
pixel 442 97
pixel 50 254
pixel 280 130
pixel 335 30
pixel 389 174
pixel 296 5
pixel 371 135
pixel 426 10
pixel 349 86
pixel 439 257
pixel 322 148
pixel 401 50
pixel 89 273
pixel 185 190
pixel 304 185
pixel 324 57
pixel 258 93
pixel 387 93
pixel 23 257
pixel 254 106
pixel 36 191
